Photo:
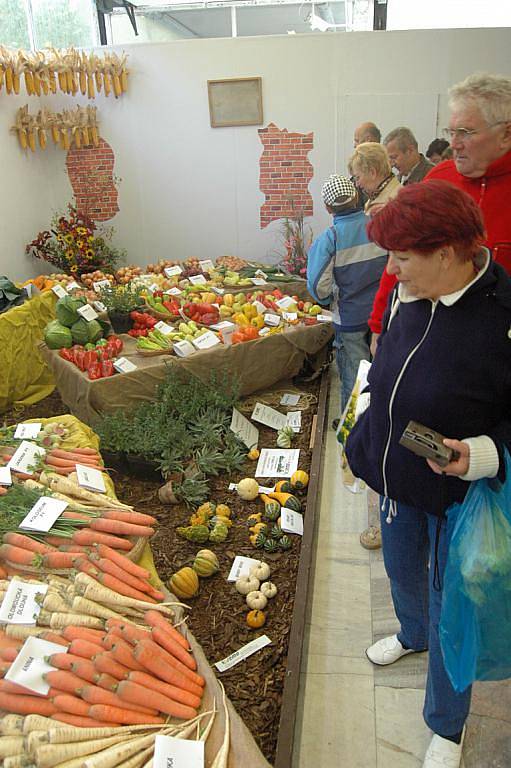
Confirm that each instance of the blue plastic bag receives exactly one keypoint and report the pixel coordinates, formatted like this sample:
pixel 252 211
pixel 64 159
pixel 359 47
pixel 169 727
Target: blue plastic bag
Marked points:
pixel 475 622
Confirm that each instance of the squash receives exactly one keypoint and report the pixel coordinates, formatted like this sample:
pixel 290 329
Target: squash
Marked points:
pixel 260 570
pixel 184 583
pixel 270 545
pixel 253 454
pixel 299 480
pixel 285 437
pixel 198 534
pixel 219 533
pixel 256 619
pixel 287 500
pixel 207 509
pixel 271 507
pixel 254 518
pixel 220 519
pixel 205 563
pixel 284 486
pixel 248 489
pixel 223 510
pixel 285 543
pixel 258 528
pixel 256 600
pixel 247 584
pixel 268 589
pixel 276 532
pixel 260 540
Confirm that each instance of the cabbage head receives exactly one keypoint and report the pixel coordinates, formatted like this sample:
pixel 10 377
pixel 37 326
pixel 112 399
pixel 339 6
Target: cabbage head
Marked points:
pixel 66 310
pixel 95 330
pixel 84 331
pixel 57 335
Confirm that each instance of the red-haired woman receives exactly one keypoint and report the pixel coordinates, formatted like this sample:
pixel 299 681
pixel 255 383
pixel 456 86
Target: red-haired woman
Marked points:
pixel 444 360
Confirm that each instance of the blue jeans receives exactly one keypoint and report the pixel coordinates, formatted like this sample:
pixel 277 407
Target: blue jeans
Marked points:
pixel 408 547
pixel 350 348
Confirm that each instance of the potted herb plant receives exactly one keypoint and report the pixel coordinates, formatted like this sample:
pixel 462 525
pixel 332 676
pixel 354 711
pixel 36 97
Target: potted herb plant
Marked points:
pixel 119 301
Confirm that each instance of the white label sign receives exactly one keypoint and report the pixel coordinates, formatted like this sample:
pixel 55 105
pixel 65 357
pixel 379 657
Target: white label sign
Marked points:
pixel 90 478
pixel 171 752
pixel 289 399
pixel 29 665
pixel 59 291
pixel 154 287
pixel 101 284
pixel 206 265
pixel 290 316
pixel 272 320
pixel 324 318
pixel 260 489
pixel 173 271
pixel 225 325
pixel 291 521
pixel 123 365
pixel 258 281
pixel 269 416
pixel 241 567
pixel 184 348
pixel 294 420
pixel 99 306
pixel 72 286
pixel 285 302
pixel 174 292
pixel 87 312
pixel 277 462
pixel 43 514
pixel 218 291
pixel 5 476
pixel 25 457
pixel 27 431
pixel 197 280
pixel 261 309
pixel 244 429
pixel 206 341
pixel 264 331
pixel 164 328
pixel 19 605
pixel 243 653
pixel 260 273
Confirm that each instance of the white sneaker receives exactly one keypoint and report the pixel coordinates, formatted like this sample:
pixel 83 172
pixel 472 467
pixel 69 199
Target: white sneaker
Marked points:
pixel 443 753
pixel 387 651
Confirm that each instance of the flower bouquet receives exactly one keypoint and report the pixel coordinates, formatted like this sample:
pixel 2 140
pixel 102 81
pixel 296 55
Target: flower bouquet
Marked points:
pixel 297 241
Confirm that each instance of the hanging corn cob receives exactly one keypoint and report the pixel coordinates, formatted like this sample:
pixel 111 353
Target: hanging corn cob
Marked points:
pixel 77 126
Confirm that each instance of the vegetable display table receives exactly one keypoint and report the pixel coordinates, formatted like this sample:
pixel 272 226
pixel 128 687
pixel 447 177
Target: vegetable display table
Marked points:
pixel 259 364
pixel 25 377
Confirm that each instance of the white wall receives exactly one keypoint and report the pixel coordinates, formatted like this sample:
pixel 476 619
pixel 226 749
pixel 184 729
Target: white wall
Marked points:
pixel 188 189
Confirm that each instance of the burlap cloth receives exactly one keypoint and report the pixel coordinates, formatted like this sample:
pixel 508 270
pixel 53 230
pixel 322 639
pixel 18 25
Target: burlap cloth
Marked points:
pixel 259 364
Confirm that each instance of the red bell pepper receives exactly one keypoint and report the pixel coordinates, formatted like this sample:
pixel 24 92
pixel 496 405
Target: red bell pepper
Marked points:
pixel 66 354
pixel 94 371
pixel 107 368
pixel 116 343
pixel 90 358
pixel 78 358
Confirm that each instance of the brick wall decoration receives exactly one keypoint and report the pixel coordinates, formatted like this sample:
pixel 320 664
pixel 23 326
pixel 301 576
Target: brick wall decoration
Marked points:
pixel 285 173
pixel 90 171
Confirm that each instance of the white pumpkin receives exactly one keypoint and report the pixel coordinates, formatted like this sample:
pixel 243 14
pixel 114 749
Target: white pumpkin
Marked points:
pixel 256 601
pixel 268 589
pixel 261 571
pixel 248 489
pixel 246 584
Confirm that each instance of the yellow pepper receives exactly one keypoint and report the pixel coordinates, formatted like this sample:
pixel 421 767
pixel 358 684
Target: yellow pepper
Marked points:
pixel 228 299
pixel 249 310
pixel 257 321
pixel 240 319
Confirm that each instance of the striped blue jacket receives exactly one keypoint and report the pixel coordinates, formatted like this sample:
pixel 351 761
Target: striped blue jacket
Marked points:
pixel 344 269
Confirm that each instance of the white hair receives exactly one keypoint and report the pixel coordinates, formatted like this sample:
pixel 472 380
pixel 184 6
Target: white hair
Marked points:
pixel 490 93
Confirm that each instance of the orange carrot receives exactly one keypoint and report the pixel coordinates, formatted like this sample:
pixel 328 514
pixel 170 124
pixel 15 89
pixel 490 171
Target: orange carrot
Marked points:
pixel 131 634
pixel 129 516
pixel 107 566
pixel 122 561
pixel 78 548
pixel 9 642
pixel 53 637
pixel 130 692
pixel 85 566
pixel 95 695
pixel 168 659
pixel 25 542
pixel 167 642
pixel 119 528
pixel 157 667
pixel 105 662
pixel 57 541
pixel 84 648
pixel 8 654
pixel 27 705
pixel 85 669
pixel 59 560
pixel 111 638
pixel 71 515
pixel 64 680
pixel 83 451
pixel 87 536
pixel 83 633
pixel 71 704
pixel 124 716
pixel 106 681
pixel 123 589
pixel 122 653
pixel 156 620
pixel 17 555
pixel 62 660
pixel 170 691
pixel 3 573
pixel 82 722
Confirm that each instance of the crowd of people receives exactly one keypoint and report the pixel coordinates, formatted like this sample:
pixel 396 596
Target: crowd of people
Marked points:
pixel 416 268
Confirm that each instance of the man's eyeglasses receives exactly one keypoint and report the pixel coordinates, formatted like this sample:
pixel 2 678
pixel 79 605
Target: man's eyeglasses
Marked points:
pixel 467 133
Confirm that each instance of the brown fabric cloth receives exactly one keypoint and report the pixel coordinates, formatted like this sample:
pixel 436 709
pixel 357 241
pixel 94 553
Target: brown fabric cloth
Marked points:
pixel 259 364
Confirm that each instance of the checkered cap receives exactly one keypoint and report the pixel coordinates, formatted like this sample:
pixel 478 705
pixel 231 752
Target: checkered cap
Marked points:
pixel 337 189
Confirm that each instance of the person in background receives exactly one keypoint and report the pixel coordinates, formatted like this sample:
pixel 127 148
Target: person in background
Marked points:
pixel 480 135
pixel 370 167
pixel 444 360
pixel 435 150
pixel 366 132
pixel 404 155
pixel 447 154
pixel 344 270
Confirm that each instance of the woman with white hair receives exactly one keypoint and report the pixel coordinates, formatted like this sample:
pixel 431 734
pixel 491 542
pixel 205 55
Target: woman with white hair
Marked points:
pixel 371 171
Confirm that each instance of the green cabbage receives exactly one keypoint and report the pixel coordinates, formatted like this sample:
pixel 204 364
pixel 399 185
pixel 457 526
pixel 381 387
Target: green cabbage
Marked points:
pixel 57 335
pixel 66 310
pixel 95 330
pixel 84 331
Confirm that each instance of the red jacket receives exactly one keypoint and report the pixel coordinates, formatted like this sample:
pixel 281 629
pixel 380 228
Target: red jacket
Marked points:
pixel 492 192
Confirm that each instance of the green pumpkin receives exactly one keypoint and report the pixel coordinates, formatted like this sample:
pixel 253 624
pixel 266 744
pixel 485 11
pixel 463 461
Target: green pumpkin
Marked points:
pixel 219 533
pixel 285 543
pixel 271 545
pixel 198 534
pixel 205 563
pixel 272 510
pixel 260 540
pixel 293 503
pixel 276 532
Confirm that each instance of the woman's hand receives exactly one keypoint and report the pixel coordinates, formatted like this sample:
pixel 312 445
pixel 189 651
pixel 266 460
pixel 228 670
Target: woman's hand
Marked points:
pixel 460 465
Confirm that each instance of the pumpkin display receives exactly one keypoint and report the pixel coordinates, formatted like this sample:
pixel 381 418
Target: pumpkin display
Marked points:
pixel 205 563
pixel 256 600
pixel 256 619
pixel 284 486
pixel 287 500
pixel 253 454
pixel 260 570
pixel 268 589
pixel 246 584
pixel 207 509
pixel 285 437
pixel 248 489
pixel 184 583
pixel 299 480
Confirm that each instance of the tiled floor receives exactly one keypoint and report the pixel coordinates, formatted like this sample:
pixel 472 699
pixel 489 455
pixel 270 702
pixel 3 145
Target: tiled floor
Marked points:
pixel 351 714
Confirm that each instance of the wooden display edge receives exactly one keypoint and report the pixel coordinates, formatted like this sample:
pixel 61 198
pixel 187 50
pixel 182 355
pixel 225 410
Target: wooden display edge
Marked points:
pixel 287 723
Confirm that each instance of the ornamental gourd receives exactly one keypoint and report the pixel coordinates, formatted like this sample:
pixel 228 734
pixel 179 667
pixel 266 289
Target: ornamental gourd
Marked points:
pixel 198 534
pixel 253 454
pixel 248 489
pixel 260 570
pixel 256 600
pixel 223 510
pixel 287 500
pixel 205 563
pixel 271 508
pixel 246 584
pixel 271 546
pixel 299 480
pixel 285 437
pixel 184 583
pixel 268 589
pixel 284 486
pixel 285 543
pixel 256 619
pixel 219 533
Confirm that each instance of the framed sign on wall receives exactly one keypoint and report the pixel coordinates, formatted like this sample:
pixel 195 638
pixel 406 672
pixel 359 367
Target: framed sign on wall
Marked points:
pixel 238 101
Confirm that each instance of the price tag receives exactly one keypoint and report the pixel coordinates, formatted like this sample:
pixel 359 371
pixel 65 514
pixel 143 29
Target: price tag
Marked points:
pixel 5 476
pixel 101 284
pixel 269 416
pixel 243 653
pixel 294 420
pixel 164 328
pixel 174 292
pixel 260 489
pixel 272 320
pixel 90 478
pixel 87 312
pixel 289 399
pixel 123 365
pixel 154 287
pixel 43 514
pixel 206 341
pixel 171 752
pixel 99 306
pixel 59 291
pixel 324 318
pixel 244 429
pixel 184 348
pixel 29 666
pixel 206 265
pixel 25 457
pixel 261 309
pixel 197 280
pixel 285 302
pixel 172 271
pixel 218 291
pixel 30 290
pixel 277 462
pixel 225 325
pixel 257 281
pixel 27 431
pixel 72 286
pixel 260 273
pixel 291 521
pixel 264 331
pixel 241 567
pixel 19 605
pixel 290 316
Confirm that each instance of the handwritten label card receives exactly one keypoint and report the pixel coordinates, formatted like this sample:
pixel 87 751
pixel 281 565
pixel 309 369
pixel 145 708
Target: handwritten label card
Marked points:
pixel 289 399
pixel 72 286
pixel 43 514
pixel 59 291
pixel 290 316
pixel 294 420
pixel 164 328
pixel 27 431
pixel 184 348
pixel 173 271
pixel 277 462
pixel 206 341
pixel 25 457
pixel 5 476
pixel 291 521
pixel 260 273
pixel 197 280
pixel 19 605
pixel 244 429
pixel 243 653
pixel 99 306
pixel 258 281
pixel 271 319
pixel 218 291
pixel 29 665
pixel 101 284
pixel 123 365
pixel 241 567
pixel 170 752
pixel 206 265
pixel 285 302
pixel 174 292
pixel 87 312
pixel 269 416
pixel 261 309
pixel 324 318
pixel 90 478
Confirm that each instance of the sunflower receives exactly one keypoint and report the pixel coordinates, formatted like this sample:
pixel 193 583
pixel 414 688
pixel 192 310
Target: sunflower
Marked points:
pixel 89 253
pixel 74 268
pixel 90 239
pixel 68 238
pixel 69 253
pixel 60 238
pixel 81 230
pixel 80 243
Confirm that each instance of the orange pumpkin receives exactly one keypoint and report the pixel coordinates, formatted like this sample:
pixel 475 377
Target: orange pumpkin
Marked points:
pixel 256 619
